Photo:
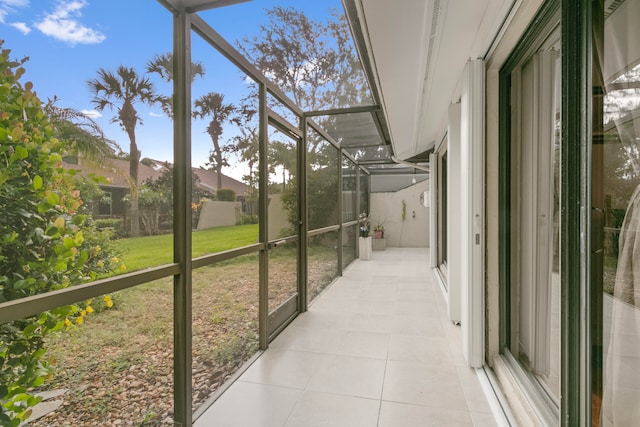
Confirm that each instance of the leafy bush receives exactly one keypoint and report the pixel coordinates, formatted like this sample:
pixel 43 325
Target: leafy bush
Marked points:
pixel 103 252
pixel 43 243
pixel 116 225
pixel 250 219
pixel 226 195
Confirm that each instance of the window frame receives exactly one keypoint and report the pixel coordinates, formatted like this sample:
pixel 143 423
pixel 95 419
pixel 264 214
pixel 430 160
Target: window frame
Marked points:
pixel 575 21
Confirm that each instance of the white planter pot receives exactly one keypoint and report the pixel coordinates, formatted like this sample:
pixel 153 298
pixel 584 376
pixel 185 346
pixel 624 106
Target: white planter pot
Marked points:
pixel 365 248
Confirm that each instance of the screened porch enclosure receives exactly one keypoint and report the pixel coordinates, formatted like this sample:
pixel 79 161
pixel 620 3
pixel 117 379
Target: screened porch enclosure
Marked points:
pixel 313 159
pixel 308 183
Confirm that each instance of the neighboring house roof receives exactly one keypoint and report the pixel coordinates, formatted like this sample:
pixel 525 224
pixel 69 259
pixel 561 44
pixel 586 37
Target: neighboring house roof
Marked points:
pixel 116 171
pixel 209 180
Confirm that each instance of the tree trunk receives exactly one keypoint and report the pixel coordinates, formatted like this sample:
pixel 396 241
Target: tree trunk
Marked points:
pixel 218 154
pixel 134 213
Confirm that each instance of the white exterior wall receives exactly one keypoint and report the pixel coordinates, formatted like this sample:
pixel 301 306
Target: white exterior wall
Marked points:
pixel 278 219
pixel 386 209
pixel 219 214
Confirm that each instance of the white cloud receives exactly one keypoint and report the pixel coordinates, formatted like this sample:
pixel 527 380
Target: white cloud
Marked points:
pixel 153 114
pixel 22 27
pixel 8 6
pixel 92 114
pixel 15 3
pixel 63 24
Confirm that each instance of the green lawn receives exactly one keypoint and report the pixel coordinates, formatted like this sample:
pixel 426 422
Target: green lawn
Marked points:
pixel 143 252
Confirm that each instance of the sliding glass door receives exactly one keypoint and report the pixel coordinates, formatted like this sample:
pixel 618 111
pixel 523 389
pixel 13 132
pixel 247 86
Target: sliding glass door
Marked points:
pixel 615 278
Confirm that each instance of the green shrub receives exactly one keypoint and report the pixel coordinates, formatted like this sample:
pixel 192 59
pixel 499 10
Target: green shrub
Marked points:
pixel 43 243
pixel 226 195
pixel 116 225
pixel 250 219
pixel 104 253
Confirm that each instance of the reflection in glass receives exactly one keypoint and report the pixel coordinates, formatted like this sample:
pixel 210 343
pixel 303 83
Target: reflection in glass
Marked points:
pixel 323 262
pixel 118 363
pixel 617 193
pixel 225 322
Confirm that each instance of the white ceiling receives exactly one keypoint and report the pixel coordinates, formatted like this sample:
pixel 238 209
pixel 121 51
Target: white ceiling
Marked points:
pixel 418 49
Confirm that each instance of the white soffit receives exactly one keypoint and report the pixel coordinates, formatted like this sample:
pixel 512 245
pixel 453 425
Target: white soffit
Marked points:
pixel 419 49
pixel 396 32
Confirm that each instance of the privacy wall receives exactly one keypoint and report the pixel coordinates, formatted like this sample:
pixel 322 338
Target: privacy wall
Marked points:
pixel 387 210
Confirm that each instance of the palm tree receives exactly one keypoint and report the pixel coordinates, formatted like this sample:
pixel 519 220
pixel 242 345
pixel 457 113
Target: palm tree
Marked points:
pixel 162 65
pixel 212 105
pixel 82 133
pixel 120 92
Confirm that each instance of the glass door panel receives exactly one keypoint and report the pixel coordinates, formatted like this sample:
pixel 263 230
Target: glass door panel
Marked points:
pixel 532 315
pixel 615 278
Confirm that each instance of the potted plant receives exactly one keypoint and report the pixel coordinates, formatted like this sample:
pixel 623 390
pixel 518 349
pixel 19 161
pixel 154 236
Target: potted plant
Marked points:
pixel 364 246
pixel 378 231
pixel 365 223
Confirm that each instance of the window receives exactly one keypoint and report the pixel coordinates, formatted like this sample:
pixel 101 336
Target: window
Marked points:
pixel 532 306
pixel 105 203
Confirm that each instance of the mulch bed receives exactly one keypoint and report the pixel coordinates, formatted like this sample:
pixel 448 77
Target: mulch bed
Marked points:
pixel 117 368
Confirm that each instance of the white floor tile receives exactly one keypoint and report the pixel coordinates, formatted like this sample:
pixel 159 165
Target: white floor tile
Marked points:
pixel 481 419
pixel 422 349
pixel 415 324
pixel 362 344
pixel 286 368
pixel 368 322
pixel 419 384
pixel 330 410
pixel 400 414
pixel 296 338
pixel 374 349
pixel 270 406
pixel 473 393
pixel 352 376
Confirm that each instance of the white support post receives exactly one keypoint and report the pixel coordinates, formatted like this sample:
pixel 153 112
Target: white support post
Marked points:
pixel 472 147
pixel 457 171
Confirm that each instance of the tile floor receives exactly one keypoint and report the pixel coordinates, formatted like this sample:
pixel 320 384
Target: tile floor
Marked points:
pixel 375 349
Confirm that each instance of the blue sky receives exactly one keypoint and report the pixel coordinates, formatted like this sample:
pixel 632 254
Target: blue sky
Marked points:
pixel 67 41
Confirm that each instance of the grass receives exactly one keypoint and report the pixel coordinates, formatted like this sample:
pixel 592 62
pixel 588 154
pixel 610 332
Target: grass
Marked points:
pixel 143 252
